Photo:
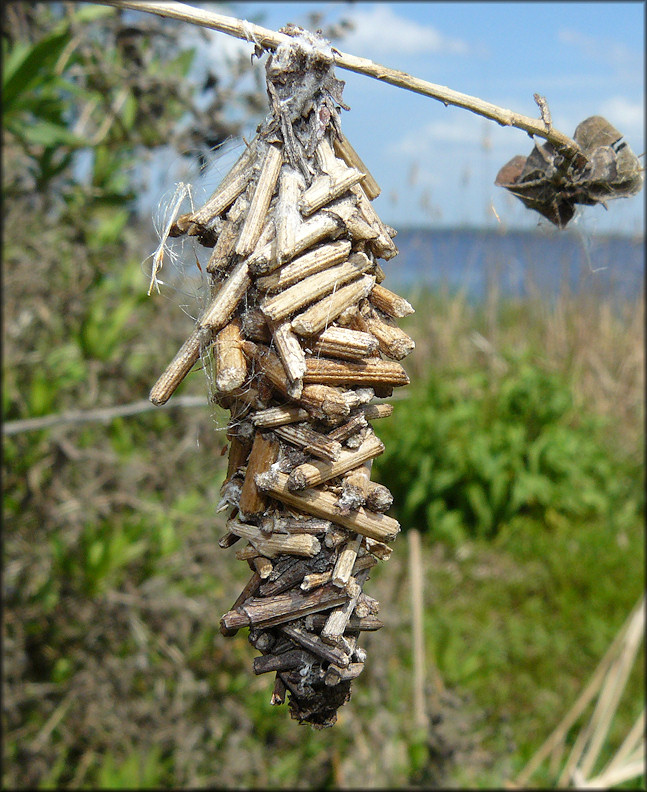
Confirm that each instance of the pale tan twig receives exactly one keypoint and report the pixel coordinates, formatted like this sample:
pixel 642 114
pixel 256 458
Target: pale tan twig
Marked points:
pixel 270 40
pixel 420 717
pixel 558 736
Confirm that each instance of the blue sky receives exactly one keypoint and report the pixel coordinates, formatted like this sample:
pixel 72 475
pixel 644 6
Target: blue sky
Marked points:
pixel 437 165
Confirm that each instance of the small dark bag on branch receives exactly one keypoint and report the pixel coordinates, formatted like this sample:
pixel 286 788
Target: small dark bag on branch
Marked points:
pixel 548 182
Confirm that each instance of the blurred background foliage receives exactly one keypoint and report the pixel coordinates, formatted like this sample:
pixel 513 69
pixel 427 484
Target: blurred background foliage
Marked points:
pixel 520 460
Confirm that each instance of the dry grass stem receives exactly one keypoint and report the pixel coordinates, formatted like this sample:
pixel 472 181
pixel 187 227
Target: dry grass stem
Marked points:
pixel 270 40
pixel 345 343
pixel 260 203
pixel 320 315
pixel 323 504
pixel 308 264
pixel 308 290
pixel 178 368
pixel 345 151
pixel 311 474
pixel 278 416
pixel 231 365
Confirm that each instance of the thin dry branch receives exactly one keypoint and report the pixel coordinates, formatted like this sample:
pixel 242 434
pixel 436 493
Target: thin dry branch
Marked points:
pixel 100 415
pixel 270 40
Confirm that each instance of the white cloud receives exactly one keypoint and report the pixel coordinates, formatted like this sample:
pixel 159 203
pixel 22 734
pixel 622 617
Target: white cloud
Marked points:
pixel 219 48
pixel 465 131
pixel 614 54
pixel 223 48
pixel 380 31
pixel 625 115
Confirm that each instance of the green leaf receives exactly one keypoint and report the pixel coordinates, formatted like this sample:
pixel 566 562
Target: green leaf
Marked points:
pixel 34 63
pixel 478 501
pixel 12 60
pixel 49 134
pixel 90 13
pixel 111 226
pixel 181 64
pixel 129 112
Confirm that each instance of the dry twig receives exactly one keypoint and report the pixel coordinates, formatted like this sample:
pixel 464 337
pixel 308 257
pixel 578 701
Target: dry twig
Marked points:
pixel 270 40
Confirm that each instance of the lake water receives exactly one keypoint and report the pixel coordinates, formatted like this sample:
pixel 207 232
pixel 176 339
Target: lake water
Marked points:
pixel 518 263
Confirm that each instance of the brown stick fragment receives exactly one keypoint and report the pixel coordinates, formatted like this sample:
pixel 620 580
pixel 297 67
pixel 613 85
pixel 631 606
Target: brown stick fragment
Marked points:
pixel 251 587
pixel 270 611
pixel 326 158
pixel 315 579
pixel 389 302
pixel 275 544
pixel 361 231
pixel 393 341
pixel 321 401
pixel 371 623
pixel 292 355
pixel 334 674
pixel 379 273
pixel 248 553
pixel 301 525
pixel 314 644
pixel 302 436
pixel 378 549
pixel 375 411
pixel 223 252
pixel 278 416
pixel 378 498
pixel 324 312
pixel 303 266
pixel 222 199
pixel 255 396
pixel 239 448
pixel 383 246
pixel 367 561
pixel 226 300
pixel 288 217
pixel 356 423
pixel 345 562
pixel 227 540
pixel 322 504
pixel 344 150
pixel 311 474
pixel 337 621
pixel 342 342
pixel 278 694
pixel 180 226
pixel 264 453
pixel 231 365
pixel 335 536
pixel 325 402
pixel 286 580
pixel 221 255
pixel 320 227
pixel 269 364
pixel 311 288
pixel 260 203
pixel 283 662
pixel 328 187
pixel 355 488
pixel 263 566
pixel 372 371
pixel 254 326
pixel 179 367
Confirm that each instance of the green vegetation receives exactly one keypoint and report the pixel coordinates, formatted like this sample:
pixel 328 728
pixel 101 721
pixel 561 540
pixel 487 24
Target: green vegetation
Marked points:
pixel 470 452
pixel 517 451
